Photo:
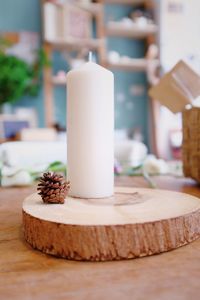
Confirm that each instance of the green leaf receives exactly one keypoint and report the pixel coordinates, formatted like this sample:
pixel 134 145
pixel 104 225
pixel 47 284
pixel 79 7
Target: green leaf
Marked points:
pixel 57 166
pixel 17 77
pixel 149 180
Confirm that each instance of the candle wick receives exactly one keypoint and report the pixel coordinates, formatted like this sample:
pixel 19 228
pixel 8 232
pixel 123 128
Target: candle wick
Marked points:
pixel 90 56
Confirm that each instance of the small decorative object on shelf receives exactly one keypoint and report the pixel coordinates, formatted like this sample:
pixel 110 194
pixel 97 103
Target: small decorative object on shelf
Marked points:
pixel 141 18
pixel 53 188
pixel 126 27
pixel 66 21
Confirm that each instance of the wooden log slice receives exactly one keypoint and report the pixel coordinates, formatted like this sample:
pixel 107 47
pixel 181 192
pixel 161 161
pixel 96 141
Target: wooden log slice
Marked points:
pixel 135 222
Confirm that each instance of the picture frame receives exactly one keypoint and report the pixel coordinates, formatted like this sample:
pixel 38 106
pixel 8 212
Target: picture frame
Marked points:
pixel 66 22
pixel 76 22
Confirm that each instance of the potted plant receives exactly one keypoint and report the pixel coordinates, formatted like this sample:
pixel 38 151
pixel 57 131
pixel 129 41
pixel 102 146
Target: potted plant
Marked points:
pixel 17 77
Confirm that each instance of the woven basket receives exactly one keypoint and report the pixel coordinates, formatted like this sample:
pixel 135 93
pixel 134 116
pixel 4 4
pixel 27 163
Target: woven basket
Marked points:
pixel 191 143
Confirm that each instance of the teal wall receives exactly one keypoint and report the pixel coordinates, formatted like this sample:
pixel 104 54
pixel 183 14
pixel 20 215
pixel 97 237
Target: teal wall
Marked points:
pixel 131 111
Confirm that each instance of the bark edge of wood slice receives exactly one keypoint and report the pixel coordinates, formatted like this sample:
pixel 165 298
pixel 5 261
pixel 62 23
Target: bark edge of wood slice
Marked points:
pixel 135 222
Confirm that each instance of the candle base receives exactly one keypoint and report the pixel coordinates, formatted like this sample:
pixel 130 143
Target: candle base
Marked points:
pixel 133 223
pixel 86 197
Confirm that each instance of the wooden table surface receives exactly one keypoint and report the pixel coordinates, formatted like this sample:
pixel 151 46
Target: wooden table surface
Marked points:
pixel 29 274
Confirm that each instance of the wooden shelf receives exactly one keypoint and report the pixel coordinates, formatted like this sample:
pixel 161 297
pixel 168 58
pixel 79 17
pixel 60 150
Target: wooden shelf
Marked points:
pixel 93 8
pixel 75 44
pixel 145 3
pixel 137 65
pixel 133 31
pixel 133 65
pixel 127 2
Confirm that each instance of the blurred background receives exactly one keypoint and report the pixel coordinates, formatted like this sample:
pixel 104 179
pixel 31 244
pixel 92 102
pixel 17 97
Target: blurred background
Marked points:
pixel 40 41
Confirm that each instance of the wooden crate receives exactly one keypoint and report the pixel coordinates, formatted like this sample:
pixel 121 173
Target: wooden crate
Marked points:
pixel 191 143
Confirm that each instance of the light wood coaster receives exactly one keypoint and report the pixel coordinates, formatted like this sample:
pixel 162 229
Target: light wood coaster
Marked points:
pixel 135 222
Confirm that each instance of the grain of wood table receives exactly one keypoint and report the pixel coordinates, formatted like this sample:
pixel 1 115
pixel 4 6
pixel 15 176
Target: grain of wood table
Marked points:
pixel 29 274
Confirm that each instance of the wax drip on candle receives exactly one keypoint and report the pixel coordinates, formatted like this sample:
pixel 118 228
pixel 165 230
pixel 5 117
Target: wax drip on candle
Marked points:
pixel 90 56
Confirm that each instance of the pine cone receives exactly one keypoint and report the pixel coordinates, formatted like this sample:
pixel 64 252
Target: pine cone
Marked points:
pixel 53 188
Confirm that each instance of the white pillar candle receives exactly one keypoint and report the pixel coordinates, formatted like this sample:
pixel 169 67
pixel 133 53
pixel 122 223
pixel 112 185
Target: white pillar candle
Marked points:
pixel 90 131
